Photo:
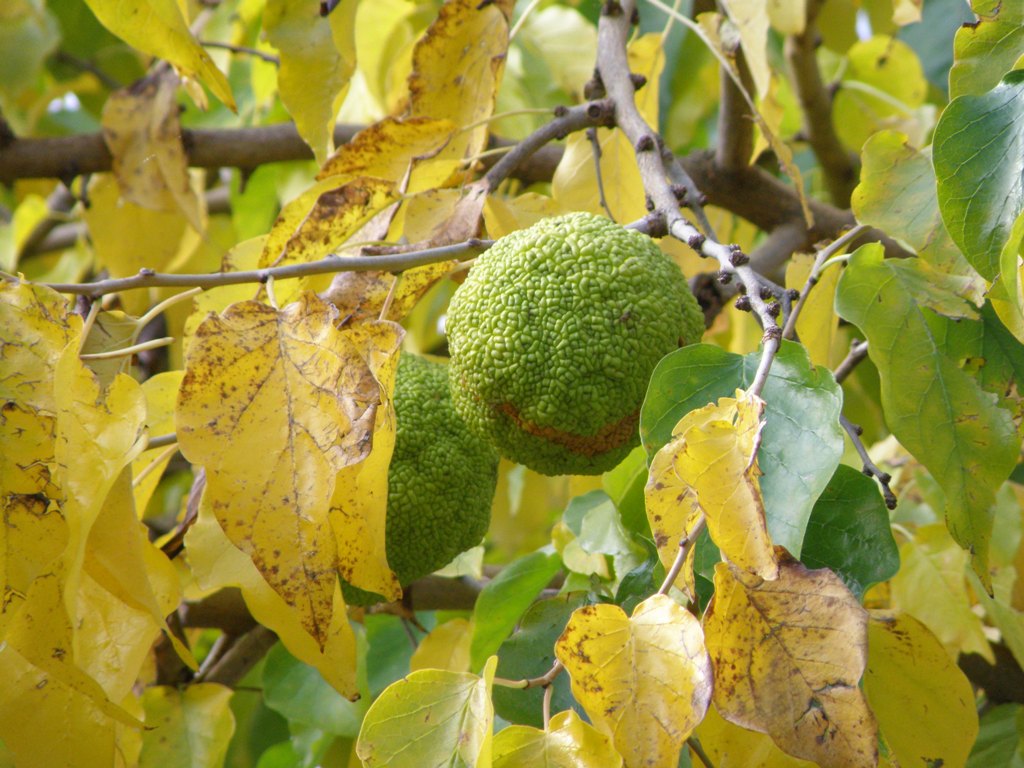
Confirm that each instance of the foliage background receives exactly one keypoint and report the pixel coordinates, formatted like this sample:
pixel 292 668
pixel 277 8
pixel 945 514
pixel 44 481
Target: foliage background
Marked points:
pixel 179 494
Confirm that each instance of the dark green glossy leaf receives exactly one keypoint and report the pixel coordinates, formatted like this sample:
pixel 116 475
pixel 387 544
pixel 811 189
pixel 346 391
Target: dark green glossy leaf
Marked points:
pixel 1001 739
pixel 849 532
pixel 938 411
pixel 978 151
pixel 530 653
pixel 504 599
pixel 802 440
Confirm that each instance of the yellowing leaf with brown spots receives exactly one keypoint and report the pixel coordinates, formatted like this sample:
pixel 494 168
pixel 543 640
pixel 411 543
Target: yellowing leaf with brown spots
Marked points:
pixel 43 637
pixel 273 404
pixel 142 132
pixel 323 217
pixel 186 727
pixel 446 647
pixel 216 563
pixel 431 718
pixel 644 680
pixel 358 508
pixel 457 67
pixel 33 535
pixel 157 27
pixel 317 60
pixel 567 742
pixel 788 656
pixel 710 467
pixel 924 703
pixel 730 746
pixel 36 325
pixel 400 151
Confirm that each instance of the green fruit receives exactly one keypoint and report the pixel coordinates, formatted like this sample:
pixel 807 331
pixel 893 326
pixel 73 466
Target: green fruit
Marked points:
pixel 440 482
pixel 554 335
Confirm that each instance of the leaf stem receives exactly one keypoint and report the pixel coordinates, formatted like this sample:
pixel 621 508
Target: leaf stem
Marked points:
pixel 129 351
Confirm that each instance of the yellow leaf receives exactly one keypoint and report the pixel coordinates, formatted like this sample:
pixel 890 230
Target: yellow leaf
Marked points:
pixel 817 324
pixel 189 727
pixel 393 150
pixel 273 404
pixel 644 680
pixel 36 325
pixel 504 215
pixel 446 647
pixel 216 564
pixel 931 585
pixel 431 717
pixel 710 466
pixel 33 535
pixel 567 742
pixel 788 655
pixel 788 16
pixel 526 503
pixel 44 637
pixel 158 28
pixel 730 746
pixel 457 67
pixel 924 703
pixel 45 722
pixel 317 60
pixel 120 558
pixel 358 508
pixel 100 430
pixel 574 186
pixel 113 639
pixel 243 256
pixel 161 393
pixel 314 224
pixel 751 19
pixel 141 129
pixel 116 229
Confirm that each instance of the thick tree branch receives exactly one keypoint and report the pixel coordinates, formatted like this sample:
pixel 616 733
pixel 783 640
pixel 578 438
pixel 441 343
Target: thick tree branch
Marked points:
pixel 68 156
pixel 838 165
pixel 735 123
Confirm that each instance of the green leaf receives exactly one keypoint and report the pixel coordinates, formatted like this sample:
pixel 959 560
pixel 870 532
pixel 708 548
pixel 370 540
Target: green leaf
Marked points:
pixel 432 717
pixel 897 194
pixel 1001 739
pixel 594 520
pixel 935 409
pixel 849 532
pixel 802 440
pixel 503 600
pixel 982 54
pixel 530 652
pixel 981 184
pixel 299 693
pixel 390 652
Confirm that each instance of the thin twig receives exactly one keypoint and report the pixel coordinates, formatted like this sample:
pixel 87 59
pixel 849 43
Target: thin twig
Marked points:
pixel 546 706
pixel 735 123
pixel 162 440
pixel 567 120
pixel 532 682
pixel 858 351
pixel 812 279
pixel 870 468
pixel 387 263
pixel 684 549
pixel 134 349
pixel 267 57
pixel 596 146
pixel 241 656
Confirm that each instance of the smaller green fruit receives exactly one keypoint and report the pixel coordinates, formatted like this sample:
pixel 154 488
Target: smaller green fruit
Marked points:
pixel 441 479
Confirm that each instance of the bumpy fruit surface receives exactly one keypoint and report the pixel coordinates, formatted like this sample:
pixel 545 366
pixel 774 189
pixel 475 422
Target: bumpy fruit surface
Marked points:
pixel 440 482
pixel 554 335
